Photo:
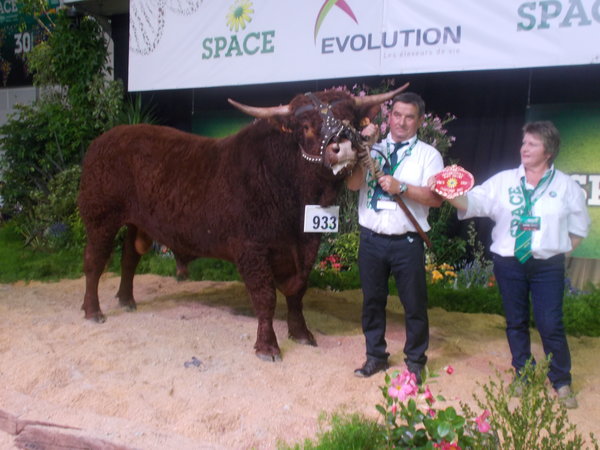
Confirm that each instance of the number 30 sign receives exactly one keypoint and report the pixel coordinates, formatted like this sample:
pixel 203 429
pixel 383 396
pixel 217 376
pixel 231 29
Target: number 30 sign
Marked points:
pixel 321 220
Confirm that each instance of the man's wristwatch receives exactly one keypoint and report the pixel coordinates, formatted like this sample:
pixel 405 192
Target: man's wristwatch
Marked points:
pixel 403 188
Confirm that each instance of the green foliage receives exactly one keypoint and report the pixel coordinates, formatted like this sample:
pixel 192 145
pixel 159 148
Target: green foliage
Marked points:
pixel 445 247
pixel 479 271
pixel 411 420
pixel 136 112
pixel 105 100
pixel 53 221
pixel 38 9
pixel 160 263
pixel 42 140
pixel 475 273
pixel 434 132
pixel 75 52
pixel 536 421
pixel 346 247
pixel 348 201
pixel 335 280
pixel 213 269
pixel 336 267
pixel 351 432
pixel 19 263
pixel 472 300
pixel 39 141
pixel 581 314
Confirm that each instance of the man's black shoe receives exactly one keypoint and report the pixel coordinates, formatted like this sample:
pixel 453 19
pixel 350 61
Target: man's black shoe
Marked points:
pixel 371 367
pixel 416 369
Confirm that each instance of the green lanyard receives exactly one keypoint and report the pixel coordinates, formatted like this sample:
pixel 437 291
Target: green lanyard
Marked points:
pixel 532 196
pixel 406 153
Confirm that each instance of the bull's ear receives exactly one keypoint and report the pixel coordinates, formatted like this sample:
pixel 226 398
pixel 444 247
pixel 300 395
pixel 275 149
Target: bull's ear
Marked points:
pixel 281 123
pixel 371 112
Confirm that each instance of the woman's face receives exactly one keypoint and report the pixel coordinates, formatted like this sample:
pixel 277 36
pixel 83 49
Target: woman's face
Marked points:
pixel 533 152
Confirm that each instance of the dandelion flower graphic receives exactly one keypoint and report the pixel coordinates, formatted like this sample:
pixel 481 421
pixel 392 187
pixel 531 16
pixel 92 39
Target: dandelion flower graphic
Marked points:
pixel 239 15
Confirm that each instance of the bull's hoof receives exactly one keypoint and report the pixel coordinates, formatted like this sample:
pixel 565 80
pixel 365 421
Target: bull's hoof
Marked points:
pixel 269 357
pixel 310 340
pixel 302 336
pixel 128 304
pixel 96 317
pixel 181 276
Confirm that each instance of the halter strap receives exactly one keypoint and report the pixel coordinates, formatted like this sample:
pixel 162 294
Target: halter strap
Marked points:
pixel 330 129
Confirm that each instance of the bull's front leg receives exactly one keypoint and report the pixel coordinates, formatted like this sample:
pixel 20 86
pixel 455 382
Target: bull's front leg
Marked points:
pixel 260 286
pixel 293 282
pixel 294 289
pixel 266 345
pixel 297 329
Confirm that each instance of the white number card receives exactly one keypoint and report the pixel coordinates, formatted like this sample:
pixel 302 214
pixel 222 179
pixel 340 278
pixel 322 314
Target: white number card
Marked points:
pixel 321 220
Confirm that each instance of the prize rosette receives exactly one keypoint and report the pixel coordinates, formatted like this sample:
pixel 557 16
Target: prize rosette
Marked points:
pixel 453 181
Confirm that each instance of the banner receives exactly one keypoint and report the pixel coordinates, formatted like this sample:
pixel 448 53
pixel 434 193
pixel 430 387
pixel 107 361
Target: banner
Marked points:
pixel 578 157
pixel 203 43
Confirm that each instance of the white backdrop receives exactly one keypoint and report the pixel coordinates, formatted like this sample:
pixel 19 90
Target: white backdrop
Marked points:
pixel 202 43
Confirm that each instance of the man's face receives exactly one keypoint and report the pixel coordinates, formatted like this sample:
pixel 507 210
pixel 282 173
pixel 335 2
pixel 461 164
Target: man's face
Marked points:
pixel 404 121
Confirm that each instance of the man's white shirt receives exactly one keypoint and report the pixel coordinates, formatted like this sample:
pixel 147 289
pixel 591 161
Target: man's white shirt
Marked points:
pixel 423 162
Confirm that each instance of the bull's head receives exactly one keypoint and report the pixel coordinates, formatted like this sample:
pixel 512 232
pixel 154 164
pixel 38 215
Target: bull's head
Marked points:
pixel 324 123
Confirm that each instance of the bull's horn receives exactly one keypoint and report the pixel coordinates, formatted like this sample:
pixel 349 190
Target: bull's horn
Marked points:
pixel 369 100
pixel 262 112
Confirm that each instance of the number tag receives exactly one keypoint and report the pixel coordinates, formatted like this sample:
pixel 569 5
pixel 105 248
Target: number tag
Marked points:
pixel 321 220
pixel 530 223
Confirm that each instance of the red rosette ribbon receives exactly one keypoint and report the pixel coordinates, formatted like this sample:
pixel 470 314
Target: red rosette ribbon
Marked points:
pixel 453 181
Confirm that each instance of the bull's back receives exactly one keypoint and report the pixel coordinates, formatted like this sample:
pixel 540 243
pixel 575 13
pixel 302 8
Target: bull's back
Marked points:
pixel 146 173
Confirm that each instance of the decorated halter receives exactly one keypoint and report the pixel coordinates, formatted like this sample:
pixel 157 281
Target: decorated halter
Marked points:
pixel 331 129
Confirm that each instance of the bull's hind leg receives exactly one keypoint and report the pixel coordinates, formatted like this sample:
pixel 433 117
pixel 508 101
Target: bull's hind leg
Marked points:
pixel 97 251
pixel 135 244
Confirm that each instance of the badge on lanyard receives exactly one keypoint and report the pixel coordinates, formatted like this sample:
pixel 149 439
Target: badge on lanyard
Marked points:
pixel 530 223
pixel 387 204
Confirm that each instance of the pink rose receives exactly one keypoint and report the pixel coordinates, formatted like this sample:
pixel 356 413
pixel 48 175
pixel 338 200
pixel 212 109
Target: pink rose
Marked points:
pixel 482 424
pixel 403 386
pixel 428 396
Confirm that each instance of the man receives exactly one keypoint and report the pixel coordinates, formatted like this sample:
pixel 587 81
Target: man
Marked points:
pixel 389 242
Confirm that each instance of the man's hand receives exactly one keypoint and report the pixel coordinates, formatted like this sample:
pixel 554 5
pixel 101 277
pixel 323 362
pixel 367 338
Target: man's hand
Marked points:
pixel 389 184
pixel 370 132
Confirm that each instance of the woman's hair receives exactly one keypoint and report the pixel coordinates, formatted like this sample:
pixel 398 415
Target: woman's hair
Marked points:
pixel 549 135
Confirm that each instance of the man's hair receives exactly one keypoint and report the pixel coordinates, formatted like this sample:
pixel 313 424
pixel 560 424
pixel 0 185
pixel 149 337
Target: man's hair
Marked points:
pixel 413 99
pixel 549 135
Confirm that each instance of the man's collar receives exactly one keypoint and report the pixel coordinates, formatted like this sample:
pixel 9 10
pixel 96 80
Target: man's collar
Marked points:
pixel 392 142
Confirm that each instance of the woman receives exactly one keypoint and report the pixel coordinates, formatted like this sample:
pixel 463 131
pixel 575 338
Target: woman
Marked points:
pixel 540 215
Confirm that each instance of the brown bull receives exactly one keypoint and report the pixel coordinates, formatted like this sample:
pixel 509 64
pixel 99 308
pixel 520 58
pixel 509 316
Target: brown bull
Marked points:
pixel 240 198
